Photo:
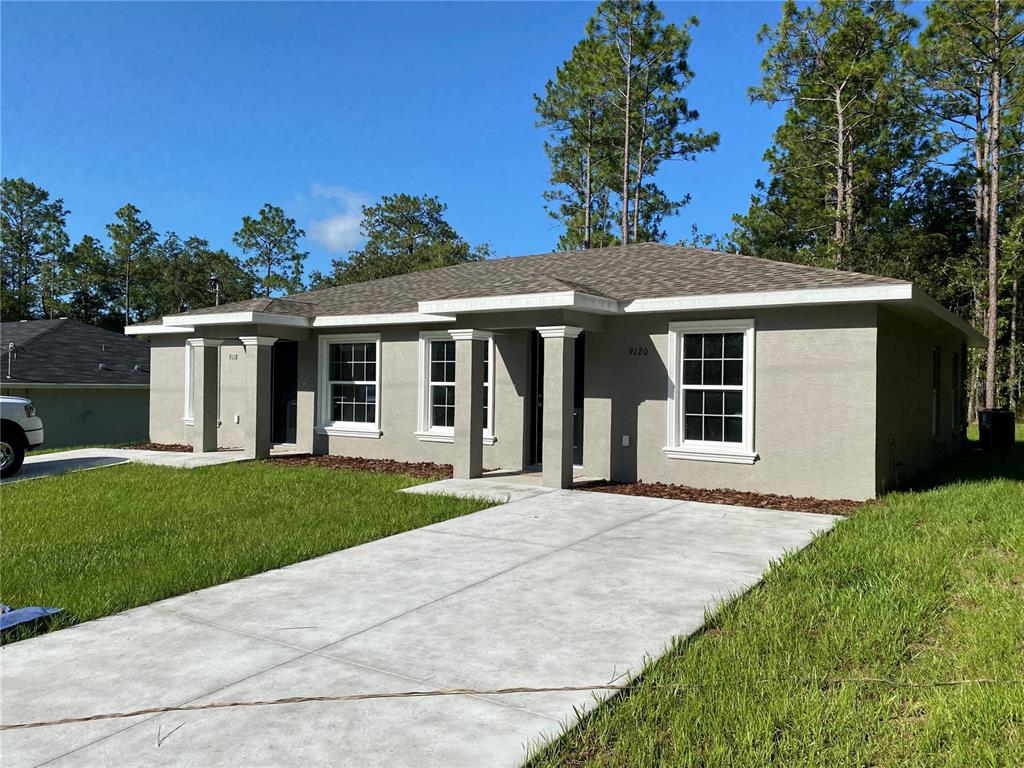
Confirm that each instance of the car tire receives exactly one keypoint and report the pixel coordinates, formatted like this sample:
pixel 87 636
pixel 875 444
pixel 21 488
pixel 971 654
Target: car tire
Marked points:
pixel 12 453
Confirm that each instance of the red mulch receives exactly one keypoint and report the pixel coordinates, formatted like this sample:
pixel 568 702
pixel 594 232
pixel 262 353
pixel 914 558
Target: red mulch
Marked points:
pixel 422 469
pixel 163 447
pixel 726 496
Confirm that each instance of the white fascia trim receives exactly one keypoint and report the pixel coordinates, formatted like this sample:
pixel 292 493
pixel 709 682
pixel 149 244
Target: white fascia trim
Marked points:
pixel 391 318
pixel 14 384
pixel 549 300
pixel 722 457
pixel 155 330
pixel 800 296
pixel 974 337
pixel 235 318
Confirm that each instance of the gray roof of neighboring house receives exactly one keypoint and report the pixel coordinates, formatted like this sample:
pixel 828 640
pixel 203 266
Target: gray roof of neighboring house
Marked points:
pixel 70 352
pixel 636 271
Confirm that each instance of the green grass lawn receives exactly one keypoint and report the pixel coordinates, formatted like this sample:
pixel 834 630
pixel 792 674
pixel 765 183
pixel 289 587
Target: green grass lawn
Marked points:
pixel 99 542
pixel 919 588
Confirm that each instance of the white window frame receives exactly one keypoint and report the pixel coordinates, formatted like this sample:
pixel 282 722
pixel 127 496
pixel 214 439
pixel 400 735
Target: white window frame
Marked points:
pixel 325 425
pixel 676 446
pixel 425 431
pixel 188 415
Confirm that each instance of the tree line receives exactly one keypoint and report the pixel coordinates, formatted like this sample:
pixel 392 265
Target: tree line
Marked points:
pixel 136 274
pixel 899 152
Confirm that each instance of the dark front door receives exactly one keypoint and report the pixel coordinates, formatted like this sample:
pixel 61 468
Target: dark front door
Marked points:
pixel 285 387
pixel 536 451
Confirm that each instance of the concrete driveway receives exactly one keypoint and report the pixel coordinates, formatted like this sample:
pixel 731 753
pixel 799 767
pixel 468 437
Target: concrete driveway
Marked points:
pixel 562 588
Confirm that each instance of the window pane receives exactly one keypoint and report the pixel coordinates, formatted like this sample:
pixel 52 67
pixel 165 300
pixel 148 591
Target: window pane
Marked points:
pixel 733 429
pixel 449 372
pixel 694 401
pixel 713 428
pixel 371 353
pixel 733 403
pixel 734 345
pixel 437 371
pixel 334 363
pixel 336 398
pixel 691 372
pixel 371 394
pixel 693 428
pixel 733 372
pixel 692 345
pixel 346 411
pixel 713 402
pixel 712 345
pixel 712 372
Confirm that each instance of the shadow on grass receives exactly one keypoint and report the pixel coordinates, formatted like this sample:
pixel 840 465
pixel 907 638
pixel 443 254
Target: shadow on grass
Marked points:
pixel 974 465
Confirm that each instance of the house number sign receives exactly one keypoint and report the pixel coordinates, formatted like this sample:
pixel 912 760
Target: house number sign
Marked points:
pixel 639 351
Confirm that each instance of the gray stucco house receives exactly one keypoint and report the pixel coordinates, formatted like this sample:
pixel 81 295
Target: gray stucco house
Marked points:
pixel 90 385
pixel 645 361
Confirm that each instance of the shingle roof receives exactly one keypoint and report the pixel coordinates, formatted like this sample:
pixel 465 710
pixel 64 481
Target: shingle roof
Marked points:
pixel 636 271
pixel 70 352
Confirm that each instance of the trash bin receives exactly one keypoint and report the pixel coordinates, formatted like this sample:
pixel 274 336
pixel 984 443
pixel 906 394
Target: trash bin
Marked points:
pixel 995 429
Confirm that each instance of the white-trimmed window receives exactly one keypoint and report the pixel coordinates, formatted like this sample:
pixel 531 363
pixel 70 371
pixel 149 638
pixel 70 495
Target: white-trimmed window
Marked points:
pixel 188 414
pixel 711 391
pixel 437 388
pixel 349 391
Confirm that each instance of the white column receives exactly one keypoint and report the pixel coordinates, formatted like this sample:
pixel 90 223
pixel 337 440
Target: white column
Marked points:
pixel 257 411
pixel 469 402
pixel 559 371
pixel 204 393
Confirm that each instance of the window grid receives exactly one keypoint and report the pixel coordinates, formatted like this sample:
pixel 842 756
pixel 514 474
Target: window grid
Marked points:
pixel 712 387
pixel 352 382
pixel 487 384
pixel 441 372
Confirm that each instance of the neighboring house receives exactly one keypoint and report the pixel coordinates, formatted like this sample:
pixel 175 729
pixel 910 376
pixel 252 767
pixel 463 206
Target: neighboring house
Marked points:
pixel 645 361
pixel 90 386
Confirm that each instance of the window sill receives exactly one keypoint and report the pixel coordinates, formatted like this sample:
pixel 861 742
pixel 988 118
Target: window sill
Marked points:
pixel 349 432
pixel 704 454
pixel 444 437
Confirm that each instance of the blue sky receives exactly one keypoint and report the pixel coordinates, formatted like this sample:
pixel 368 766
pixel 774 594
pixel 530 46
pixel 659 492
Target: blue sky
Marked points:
pixel 198 113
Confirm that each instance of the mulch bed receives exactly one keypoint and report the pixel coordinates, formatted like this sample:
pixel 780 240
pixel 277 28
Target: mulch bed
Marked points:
pixel 422 469
pixel 162 447
pixel 725 496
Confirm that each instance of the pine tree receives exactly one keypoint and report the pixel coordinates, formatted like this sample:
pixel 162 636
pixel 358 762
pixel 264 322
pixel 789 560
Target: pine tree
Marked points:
pixel 271 242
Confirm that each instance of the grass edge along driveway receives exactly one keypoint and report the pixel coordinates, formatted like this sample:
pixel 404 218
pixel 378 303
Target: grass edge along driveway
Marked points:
pixel 917 588
pixel 96 543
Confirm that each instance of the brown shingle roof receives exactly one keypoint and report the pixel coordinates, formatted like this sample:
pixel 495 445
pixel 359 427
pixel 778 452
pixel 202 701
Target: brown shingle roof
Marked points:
pixel 636 271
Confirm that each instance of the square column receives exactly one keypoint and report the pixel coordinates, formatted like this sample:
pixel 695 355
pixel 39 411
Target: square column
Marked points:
pixel 204 393
pixel 468 460
pixel 257 411
pixel 559 372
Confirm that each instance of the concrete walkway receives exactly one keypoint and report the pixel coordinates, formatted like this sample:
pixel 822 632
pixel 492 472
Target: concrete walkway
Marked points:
pixel 59 462
pixel 556 588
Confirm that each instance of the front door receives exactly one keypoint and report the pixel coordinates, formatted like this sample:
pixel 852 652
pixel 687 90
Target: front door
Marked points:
pixel 284 391
pixel 536 447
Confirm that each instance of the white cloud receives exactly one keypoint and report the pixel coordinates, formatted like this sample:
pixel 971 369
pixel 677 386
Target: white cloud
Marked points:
pixel 338 231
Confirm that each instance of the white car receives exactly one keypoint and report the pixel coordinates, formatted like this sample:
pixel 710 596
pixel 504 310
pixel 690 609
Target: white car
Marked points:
pixel 20 430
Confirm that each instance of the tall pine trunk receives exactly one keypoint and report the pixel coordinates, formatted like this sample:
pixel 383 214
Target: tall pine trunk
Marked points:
pixel 628 61
pixel 995 108
pixel 588 193
pixel 840 231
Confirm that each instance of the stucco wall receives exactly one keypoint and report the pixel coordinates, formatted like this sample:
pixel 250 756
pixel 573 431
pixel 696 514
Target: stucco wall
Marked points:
pixel 906 446
pixel 89 416
pixel 814 412
pixel 400 396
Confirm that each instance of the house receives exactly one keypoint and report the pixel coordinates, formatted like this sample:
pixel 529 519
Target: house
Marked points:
pixel 643 361
pixel 89 385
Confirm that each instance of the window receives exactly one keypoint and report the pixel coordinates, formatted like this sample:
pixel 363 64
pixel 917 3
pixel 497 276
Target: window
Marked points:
pixel 711 390
pixel 442 385
pixel 350 385
pixel 437 414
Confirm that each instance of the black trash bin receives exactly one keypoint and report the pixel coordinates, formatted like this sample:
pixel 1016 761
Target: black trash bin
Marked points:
pixel 995 428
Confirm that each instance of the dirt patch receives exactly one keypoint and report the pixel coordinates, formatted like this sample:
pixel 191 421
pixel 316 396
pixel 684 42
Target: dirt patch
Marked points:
pixel 177 448
pixel 726 496
pixel 422 469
